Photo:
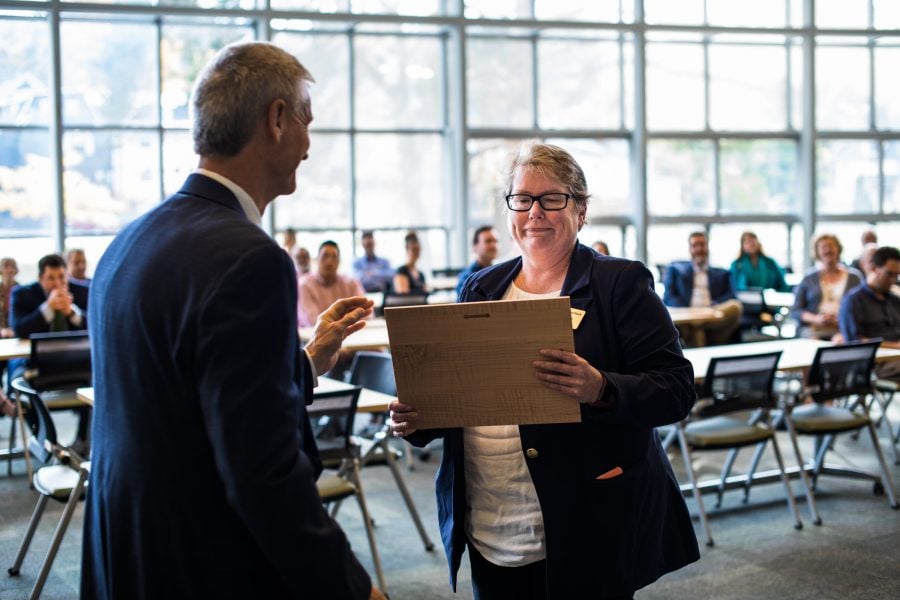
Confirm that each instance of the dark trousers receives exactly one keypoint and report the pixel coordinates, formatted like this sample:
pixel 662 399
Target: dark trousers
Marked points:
pixel 529 582
pixel 493 582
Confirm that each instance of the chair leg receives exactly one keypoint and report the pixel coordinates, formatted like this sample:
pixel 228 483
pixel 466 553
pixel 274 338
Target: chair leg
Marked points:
pixel 12 444
pixel 754 463
pixel 20 416
pixel 408 452
pixel 29 534
pixel 74 497
pixel 360 497
pixel 686 454
pixel 883 403
pixel 807 487
pixel 726 471
pixel 792 504
pixel 885 472
pixel 404 491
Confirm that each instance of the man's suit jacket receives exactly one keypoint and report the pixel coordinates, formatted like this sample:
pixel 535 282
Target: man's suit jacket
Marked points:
pixel 203 473
pixel 26 317
pixel 679 282
pixel 604 538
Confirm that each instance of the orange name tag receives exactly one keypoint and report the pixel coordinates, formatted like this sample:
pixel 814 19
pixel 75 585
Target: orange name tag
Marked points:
pixel 615 472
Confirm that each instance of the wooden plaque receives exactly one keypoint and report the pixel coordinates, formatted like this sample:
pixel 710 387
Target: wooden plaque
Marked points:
pixel 469 364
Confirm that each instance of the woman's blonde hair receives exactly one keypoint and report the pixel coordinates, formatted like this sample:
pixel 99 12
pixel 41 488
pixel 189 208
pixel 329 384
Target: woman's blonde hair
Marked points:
pixel 551 161
pixel 822 237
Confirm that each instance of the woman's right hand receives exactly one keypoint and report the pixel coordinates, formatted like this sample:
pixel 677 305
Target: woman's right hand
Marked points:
pixel 403 418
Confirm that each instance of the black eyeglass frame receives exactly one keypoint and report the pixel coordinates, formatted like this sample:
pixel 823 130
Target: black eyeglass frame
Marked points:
pixel 537 199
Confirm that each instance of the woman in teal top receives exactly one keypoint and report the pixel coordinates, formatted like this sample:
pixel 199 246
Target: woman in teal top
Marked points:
pixel 753 269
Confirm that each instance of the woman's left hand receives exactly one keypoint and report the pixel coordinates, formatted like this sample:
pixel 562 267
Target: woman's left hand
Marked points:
pixel 570 374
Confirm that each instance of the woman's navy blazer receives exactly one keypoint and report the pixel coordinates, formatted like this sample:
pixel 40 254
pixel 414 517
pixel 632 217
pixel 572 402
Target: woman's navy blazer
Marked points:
pixel 608 537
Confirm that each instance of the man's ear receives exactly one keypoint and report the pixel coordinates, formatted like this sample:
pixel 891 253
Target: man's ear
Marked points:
pixel 277 119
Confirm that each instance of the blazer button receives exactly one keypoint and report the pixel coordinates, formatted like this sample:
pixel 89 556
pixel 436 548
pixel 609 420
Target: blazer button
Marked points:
pixel 531 453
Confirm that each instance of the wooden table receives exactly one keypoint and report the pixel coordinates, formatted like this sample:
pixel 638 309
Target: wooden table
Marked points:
pixel 14 348
pixel 691 320
pixel 373 336
pixel 797 354
pixel 370 401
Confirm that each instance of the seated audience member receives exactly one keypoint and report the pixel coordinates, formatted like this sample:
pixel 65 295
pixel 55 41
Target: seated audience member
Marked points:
pixel 868 237
pixel 409 279
pixel 871 311
pixel 374 272
pixel 52 303
pixel 818 296
pixel 601 247
pixel 484 245
pixel 288 240
pixel 753 269
pixel 321 289
pixel 695 283
pixel 76 264
pixel 8 271
pixel 301 261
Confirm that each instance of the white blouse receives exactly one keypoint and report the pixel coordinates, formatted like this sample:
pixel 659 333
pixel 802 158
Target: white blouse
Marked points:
pixel 503 518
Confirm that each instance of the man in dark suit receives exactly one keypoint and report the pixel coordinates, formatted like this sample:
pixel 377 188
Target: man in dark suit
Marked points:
pixel 52 303
pixel 204 467
pixel 695 283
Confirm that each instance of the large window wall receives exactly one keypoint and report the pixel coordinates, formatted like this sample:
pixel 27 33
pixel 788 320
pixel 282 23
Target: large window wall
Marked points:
pixel 779 116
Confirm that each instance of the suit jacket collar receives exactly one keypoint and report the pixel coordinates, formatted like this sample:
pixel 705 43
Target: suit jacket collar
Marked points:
pixel 492 282
pixel 201 186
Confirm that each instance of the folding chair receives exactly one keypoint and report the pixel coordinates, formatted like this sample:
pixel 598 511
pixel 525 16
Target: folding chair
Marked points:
pixel 412 299
pixel 757 314
pixel 331 416
pixel 733 387
pixel 60 363
pixel 375 371
pixel 837 373
pixel 64 482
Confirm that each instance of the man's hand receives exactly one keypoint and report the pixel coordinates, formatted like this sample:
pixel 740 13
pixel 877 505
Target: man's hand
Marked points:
pixel 342 318
pixel 376 594
pixel 60 300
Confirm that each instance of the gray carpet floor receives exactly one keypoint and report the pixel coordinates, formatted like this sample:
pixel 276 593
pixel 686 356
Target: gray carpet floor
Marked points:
pixel 758 554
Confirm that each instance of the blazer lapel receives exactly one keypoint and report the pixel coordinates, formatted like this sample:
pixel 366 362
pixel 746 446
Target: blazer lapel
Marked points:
pixel 577 284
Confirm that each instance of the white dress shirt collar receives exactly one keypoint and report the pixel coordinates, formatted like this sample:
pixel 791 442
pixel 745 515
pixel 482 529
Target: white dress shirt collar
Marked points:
pixel 246 202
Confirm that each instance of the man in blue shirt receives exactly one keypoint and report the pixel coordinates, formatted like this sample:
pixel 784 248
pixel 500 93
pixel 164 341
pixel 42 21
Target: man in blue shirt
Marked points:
pixel 484 245
pixel 870 310
pixel 374 272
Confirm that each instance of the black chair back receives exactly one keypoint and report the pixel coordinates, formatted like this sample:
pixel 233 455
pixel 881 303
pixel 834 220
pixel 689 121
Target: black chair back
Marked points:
pixel 43 440
pixel 448 272
pixel 391 300
pixel 740 383
pixel 60 360
pixel 375 371
pixel 331 415
pixel 839 371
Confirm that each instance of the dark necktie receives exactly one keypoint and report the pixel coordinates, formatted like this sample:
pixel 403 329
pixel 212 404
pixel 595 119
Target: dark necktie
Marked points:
pixel 60 323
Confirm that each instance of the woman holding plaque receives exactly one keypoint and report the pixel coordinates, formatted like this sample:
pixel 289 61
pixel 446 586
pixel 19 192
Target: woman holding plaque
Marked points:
pixel 578 510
